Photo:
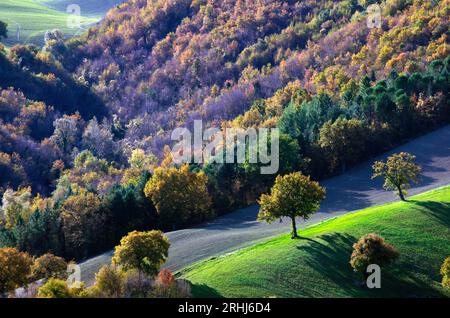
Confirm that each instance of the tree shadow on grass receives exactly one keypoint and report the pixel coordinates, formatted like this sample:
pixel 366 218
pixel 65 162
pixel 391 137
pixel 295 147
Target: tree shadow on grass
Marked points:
pixel 204 291
pixel 438 210
pixel 331 257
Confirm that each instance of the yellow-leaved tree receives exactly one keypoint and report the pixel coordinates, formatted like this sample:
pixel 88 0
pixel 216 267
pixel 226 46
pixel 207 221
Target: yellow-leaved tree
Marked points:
pixel 180 196
pixel 293 195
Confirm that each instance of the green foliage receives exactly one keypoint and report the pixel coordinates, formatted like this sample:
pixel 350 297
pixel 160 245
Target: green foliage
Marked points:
pixel 145 252
pixel 398 172
pixel 303 122
pixel 293 195
pixel 41 234
pixel 372 249
pixel 54 288
pixel 283 268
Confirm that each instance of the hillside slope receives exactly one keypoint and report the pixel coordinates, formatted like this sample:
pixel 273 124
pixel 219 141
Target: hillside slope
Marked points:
pixel 318 265
pixel 351 191
pixel 161 64
pixel 28 20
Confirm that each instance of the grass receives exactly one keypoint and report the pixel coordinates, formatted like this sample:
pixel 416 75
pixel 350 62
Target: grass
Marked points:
pixel 318 264
pixel 33 19
pixel 89 8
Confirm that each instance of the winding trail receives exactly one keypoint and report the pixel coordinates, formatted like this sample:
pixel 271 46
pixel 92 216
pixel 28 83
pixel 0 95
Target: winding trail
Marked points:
pixel 351 191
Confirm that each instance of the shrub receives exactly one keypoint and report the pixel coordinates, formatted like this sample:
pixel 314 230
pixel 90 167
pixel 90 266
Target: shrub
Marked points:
pixel 445 272
pixel 54 288
pixel 137 285
pixel 165 278
pixel 109 282
pixel 166 286
pixel 372 249
pixel 58 288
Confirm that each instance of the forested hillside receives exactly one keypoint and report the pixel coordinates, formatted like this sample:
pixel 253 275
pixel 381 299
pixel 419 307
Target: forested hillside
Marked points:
pixel 84 123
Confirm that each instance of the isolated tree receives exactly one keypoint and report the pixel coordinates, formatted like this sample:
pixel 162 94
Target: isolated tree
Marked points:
pixel 445 272
pixel 15 268
pixel 49 266
pixel 372 249
pixel 293 195
pixel 145 252
pixel 179 195
pixel 109 282
pixel 398 172
pixel 3 30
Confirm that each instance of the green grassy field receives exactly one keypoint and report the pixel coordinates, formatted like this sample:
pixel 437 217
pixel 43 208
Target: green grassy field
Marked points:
pixel 89 8
pixel 318 264
pixel 31 20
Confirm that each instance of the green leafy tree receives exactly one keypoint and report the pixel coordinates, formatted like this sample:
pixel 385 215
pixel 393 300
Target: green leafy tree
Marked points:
pixel 15 268
pixel 293 195
pixel 372 249
pixel 145 252
pixel 398 172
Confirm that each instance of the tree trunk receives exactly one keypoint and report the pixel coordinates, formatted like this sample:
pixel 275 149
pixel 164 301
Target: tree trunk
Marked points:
pixel 400 193
pixel 294 229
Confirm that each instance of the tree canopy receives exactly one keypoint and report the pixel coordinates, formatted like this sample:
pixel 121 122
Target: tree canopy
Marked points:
pixel 399 171
pixel 293 195
pixel 142 251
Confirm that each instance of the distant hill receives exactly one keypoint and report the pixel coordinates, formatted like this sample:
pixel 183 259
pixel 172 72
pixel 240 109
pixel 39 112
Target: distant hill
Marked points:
pixel 28 21
pixel 153 65
pixel 182 60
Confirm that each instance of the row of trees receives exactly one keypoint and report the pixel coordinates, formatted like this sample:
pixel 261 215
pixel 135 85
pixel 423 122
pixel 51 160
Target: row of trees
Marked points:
pixel 134 272
pixel 80 220
pixel 19 269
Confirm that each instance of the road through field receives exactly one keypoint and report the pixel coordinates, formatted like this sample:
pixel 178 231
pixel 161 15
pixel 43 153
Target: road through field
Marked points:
pixel 351 191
